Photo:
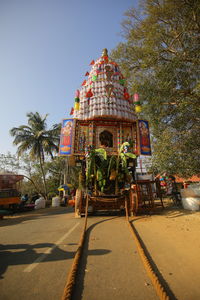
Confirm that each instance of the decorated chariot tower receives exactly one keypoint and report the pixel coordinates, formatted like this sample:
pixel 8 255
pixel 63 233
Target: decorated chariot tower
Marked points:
pixel 104 116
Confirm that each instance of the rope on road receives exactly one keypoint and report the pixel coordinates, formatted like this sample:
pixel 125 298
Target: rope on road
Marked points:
pixel 68 289
pixel 67 293
pixel 154 278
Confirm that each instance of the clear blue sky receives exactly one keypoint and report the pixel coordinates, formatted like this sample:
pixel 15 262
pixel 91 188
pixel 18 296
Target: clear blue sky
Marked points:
pixel 46 48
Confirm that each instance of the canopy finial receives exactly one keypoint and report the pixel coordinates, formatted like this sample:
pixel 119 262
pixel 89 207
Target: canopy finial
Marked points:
pixel 105 52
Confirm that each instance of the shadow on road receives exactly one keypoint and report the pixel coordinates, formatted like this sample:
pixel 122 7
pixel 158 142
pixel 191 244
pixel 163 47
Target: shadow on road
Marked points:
pixel 25 254
pixel 170 211
pixel 175 212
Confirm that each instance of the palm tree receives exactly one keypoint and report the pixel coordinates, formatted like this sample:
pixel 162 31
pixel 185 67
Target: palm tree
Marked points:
pixel 37 140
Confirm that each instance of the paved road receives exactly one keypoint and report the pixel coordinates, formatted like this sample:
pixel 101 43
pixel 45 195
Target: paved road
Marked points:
pixel 36 251
pixel 111 267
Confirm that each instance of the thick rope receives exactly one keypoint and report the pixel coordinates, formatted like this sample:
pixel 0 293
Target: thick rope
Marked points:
pixel 154 278
pixel 67 293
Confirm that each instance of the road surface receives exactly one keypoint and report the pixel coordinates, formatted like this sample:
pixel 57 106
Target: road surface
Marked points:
pixel 37 249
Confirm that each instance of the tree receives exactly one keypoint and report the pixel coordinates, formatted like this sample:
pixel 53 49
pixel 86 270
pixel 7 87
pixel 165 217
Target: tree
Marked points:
pixel 35 139
pixel 56 170
pixel 161 60
pixel 30 169
pixel 9 163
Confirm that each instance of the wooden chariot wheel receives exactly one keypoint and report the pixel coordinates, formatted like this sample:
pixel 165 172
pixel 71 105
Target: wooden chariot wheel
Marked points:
pixel 133 201
pixel 78 203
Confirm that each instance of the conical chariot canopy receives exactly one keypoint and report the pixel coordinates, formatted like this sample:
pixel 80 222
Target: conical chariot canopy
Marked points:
pixel 103 93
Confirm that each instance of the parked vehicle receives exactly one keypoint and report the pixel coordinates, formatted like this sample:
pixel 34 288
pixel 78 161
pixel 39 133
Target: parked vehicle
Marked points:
pixel 10 195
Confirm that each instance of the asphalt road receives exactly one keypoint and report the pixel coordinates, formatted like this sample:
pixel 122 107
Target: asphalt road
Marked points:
pixel 37 249
pixel 36 252
pixel 110 267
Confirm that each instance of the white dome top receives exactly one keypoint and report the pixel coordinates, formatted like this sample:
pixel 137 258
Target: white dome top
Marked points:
pixel 104 94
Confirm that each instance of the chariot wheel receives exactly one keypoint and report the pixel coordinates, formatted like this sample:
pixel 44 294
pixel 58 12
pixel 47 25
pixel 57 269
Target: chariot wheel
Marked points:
pixel 133 202
pixel 78 203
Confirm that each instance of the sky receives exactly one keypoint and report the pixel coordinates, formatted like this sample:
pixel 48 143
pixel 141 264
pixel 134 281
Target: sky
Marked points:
pixel 46 47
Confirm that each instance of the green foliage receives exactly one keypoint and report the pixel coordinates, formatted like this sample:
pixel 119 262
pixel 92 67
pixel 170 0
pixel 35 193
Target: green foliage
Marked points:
pixel 37 141
pixel 161 60
pixel 130 155
pixel 28 188
pixel 51 195
pixel 96 166
pixel 101 153
pixel 112 164
pixel 75 178
pixel 32 183
pixel 99 166
pixel 35 138
pixel 123 156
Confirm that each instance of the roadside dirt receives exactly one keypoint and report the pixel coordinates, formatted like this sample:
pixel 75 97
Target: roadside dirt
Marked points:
pixel 172 239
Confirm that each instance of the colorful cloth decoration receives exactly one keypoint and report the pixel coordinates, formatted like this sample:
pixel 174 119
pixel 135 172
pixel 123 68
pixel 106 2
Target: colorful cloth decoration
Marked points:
pixel 92 62
pixel 72 111
pixel 105 58
pixel 76 106
pixel 136 101
pixel 94 77
pixel 126 96
pixel 138 108
pixel 89 94
pixel 77 94
pixel 84 83
pixel 136 97
pixel 87 73
pixel 77 100
pixel 122 81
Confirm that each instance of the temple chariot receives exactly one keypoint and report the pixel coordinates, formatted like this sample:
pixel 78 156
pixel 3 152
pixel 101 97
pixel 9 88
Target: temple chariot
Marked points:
pixel 104 137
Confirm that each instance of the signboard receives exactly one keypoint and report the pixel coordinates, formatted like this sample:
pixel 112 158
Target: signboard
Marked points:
pixel 144 137
pixel 66 137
